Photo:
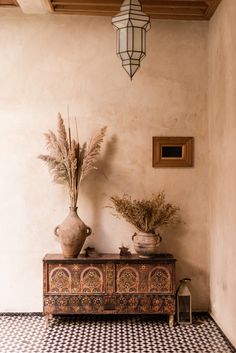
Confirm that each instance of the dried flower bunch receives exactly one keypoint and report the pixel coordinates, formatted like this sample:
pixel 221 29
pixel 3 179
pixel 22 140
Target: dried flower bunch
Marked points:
pixel 146 215
pixel 68 161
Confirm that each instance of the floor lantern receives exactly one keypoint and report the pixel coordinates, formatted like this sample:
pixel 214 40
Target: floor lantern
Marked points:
pixel 184 303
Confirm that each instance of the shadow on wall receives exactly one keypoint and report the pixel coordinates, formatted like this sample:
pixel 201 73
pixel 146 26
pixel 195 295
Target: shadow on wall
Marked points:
pixel 177 241
pixel 199 285
pixel 180 240
pixel 95 186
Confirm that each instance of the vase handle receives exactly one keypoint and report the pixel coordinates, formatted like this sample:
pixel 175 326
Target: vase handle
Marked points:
pixel 134 236
pixel 55 231
pixel 88 231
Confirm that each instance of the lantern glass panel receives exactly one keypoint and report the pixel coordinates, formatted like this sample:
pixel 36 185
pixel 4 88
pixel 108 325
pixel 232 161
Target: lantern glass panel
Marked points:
pixel 142 56
pixel 130 39
pixel 124 55
pixel 139 23
pixel 184 309
pixel 122 38
pixel 136 55
pixel 131 69
pixel 138 39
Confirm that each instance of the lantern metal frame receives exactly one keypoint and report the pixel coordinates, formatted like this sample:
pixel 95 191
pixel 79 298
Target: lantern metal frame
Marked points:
pixel 128 22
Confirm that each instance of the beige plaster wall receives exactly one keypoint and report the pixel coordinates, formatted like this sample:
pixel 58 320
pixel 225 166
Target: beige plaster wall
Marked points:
pixel 222 182
pixel 48 62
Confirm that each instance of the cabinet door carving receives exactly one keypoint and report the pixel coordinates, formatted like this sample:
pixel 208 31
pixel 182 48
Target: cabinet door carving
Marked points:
pixel 127 280
pixel 60 280
pixel 159 280
pixel 91 280
pixel 76 278
pixel 148 278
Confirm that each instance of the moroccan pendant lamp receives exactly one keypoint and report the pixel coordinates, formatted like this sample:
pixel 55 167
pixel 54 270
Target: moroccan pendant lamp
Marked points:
pixel 131 24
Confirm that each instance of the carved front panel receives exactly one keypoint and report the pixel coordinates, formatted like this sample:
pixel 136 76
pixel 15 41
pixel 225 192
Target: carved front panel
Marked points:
pixel 122 303
pixel 144 278
pixel 75 304
pixel 77 278
pixel 145 304
pixel 110 278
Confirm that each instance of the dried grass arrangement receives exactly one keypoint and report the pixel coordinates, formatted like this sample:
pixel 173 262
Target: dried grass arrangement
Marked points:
pixel 68 161
pixel 146 215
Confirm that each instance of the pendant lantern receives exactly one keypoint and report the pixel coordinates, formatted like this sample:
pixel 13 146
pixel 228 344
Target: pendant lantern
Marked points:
pixel 131 24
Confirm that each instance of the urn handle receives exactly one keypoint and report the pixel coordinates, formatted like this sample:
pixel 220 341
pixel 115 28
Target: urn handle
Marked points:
pixel 88 231
pixel 158 239
pixel 55 231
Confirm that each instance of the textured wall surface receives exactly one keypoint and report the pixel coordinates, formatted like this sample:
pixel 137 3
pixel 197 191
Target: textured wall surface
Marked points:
pixel 222 182
pixel 48 62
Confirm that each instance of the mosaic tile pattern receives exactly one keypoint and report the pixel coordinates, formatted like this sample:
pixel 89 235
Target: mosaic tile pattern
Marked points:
pixel 23 333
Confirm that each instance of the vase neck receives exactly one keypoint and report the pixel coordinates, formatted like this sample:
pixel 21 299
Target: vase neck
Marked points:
pixel 73 209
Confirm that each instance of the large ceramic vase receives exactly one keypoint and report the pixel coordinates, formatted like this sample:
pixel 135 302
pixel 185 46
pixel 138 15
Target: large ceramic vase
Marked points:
pixel 72 233
pixel 146 244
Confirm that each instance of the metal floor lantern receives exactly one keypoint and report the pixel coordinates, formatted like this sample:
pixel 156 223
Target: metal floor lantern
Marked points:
pixel 131 24
pixel 184 303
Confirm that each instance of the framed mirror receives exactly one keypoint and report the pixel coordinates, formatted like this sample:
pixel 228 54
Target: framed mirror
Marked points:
pixel 172 152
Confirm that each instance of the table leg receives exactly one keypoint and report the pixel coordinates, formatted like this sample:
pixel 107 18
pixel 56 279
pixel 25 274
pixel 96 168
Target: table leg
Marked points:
pixel 47 319
pixel 171 320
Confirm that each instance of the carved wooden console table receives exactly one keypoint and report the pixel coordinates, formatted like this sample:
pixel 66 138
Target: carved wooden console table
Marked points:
pixel 108 284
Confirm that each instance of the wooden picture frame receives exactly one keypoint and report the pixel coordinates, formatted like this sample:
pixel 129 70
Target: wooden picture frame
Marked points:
pixel 171 152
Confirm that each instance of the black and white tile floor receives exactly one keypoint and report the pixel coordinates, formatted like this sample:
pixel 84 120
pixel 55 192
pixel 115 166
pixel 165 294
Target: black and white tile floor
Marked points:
pixel 26 333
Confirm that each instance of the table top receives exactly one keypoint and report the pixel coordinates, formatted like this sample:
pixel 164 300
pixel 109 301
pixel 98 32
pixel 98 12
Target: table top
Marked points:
pixel 101 258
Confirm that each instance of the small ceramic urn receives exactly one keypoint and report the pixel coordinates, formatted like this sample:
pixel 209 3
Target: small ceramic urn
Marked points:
pixel 146 244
